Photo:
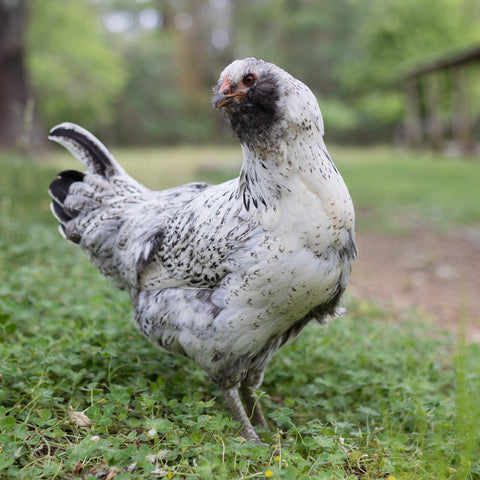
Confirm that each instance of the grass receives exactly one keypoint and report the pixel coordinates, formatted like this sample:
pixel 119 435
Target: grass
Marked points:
pixel 390 185
pixel 366 397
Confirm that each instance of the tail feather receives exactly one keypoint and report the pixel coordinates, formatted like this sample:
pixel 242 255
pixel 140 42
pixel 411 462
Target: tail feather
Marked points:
pixel 59 212
pixel 71 192
pixel 59 190
pixel 93 207
pixel 59 187
pixel 87 148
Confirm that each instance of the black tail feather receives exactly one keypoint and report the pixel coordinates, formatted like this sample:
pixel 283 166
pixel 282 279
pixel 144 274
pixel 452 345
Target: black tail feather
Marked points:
pixel 60 213
pixel 59 187
pixel 85 146
pixel 58 190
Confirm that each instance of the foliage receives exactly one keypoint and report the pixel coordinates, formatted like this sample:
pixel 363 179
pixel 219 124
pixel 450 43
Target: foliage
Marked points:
pixel 150 85
pixel 409 32
pixel 306 37
pixel 368 397
pixel 153 108
pixel 337 115
pixel 76 74
pixel 356 51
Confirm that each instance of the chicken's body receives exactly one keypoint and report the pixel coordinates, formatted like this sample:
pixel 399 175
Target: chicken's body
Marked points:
pixel 223 274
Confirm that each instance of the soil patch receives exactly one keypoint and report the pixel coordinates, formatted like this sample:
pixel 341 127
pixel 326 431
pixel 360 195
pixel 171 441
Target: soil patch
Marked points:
pixel 439 275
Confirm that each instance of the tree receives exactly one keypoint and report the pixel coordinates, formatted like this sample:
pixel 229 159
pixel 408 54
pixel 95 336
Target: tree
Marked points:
pixel 18 126
pixel 77 76
pixel 171 70
pixel 406 32
pixel 352 53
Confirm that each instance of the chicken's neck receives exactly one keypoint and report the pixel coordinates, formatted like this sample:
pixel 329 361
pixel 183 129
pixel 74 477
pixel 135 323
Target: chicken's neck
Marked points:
pixel 269 175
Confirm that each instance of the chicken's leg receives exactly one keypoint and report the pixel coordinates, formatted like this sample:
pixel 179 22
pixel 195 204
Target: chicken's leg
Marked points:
pixel 252 405
pixel 238 412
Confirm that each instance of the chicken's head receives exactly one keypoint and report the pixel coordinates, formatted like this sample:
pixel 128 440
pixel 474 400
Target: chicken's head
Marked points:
pixel 249 94
pixel 263 103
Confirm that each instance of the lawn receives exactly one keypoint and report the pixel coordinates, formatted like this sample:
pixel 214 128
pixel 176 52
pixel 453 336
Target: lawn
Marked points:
pixel 366 397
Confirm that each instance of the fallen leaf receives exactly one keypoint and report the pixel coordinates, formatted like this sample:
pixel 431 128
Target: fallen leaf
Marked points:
pixel 78 468
pixel 78 418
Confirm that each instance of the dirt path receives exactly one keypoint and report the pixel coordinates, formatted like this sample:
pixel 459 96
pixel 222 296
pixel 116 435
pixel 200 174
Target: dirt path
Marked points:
pixel 437 274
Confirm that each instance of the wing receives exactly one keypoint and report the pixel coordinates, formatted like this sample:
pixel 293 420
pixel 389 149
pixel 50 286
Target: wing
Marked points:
pixel 121 228
pixel 194 248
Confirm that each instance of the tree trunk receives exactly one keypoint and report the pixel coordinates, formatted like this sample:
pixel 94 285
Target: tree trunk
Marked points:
pixel 18 125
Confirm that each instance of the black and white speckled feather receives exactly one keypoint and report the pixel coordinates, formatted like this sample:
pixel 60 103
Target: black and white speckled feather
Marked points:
pixel 223 274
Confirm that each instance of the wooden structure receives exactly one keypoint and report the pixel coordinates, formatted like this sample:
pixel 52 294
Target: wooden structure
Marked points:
pixel 425 88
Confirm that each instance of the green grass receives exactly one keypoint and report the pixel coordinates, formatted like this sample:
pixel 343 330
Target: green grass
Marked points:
pixel 389 185
pixel 363 398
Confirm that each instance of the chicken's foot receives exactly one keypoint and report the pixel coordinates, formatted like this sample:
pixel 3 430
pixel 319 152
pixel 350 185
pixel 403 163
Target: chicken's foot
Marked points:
pixel 239 415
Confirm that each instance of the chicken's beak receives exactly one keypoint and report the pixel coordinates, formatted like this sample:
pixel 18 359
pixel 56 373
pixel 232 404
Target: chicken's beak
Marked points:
pixel 226 93
pixel 221 100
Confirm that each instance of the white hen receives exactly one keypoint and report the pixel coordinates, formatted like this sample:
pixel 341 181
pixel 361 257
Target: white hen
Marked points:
pixel 223 274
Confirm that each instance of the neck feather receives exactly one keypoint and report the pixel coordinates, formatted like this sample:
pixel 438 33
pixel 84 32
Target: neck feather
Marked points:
pixel 267 176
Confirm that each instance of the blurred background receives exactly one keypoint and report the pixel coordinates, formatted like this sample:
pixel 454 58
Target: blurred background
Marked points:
pixel 397 82
pixel 140 72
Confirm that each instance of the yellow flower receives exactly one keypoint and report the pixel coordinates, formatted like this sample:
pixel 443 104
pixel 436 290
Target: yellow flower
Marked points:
pixel 269 474
pixel 169 475
pixel 277 458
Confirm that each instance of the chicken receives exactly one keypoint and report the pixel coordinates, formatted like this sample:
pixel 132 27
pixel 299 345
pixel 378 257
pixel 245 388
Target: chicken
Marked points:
pixel 223 274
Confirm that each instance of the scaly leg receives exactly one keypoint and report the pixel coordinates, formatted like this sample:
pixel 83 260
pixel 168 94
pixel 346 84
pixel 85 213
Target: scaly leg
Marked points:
pixel 239 415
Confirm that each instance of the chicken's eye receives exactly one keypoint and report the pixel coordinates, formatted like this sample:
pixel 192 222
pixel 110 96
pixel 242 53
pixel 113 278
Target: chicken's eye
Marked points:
pixel 249 80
